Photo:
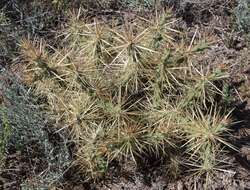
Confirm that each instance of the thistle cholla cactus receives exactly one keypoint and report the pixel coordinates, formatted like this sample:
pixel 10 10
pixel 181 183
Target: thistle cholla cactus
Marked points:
pixel 125 92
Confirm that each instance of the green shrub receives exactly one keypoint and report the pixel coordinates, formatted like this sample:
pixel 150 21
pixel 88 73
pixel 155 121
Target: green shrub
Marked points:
pixel 242 13
pixel 5 132
pixel 23 127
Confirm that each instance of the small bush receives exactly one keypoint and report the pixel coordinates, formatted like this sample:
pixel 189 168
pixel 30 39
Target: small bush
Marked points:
pixel 5 133
pixel 242 13
pixel 23 130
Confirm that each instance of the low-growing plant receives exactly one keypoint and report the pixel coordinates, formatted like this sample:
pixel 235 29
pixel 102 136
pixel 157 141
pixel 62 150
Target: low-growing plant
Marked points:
pixel 130 142
pixel 5 132
pixel 242 14
pixel 207 163
pixel 207 130
pixel 128 91
pixel 204 87
pixel 91 154
pixel 22 126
